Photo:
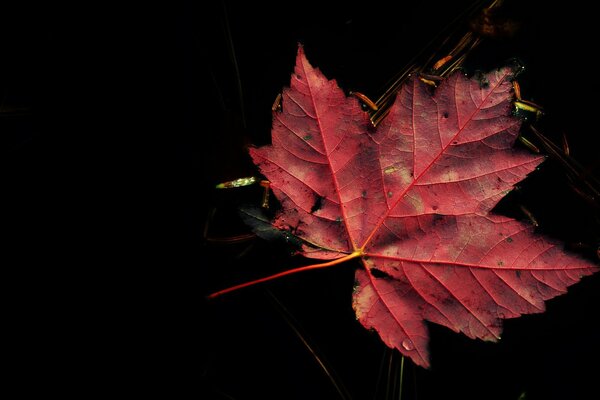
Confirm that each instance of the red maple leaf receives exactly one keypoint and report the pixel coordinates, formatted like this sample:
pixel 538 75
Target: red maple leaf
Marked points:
pixel 412 199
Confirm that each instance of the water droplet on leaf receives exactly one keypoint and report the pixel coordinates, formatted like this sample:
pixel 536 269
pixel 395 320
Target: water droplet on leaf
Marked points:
pixel 408 344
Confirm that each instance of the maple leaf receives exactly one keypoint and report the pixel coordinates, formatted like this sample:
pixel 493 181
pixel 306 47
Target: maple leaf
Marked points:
pixel 411 199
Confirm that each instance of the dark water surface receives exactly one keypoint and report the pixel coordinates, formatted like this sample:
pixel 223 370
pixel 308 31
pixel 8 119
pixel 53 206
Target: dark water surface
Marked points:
pixel 135 115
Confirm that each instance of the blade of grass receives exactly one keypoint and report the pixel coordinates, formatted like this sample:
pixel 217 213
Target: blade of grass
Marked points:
pixel 235 64
pixel 467 42
pixel 572 166
pixel 321 361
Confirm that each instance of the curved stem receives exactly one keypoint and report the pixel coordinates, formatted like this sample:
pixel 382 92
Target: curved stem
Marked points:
pixel 340 260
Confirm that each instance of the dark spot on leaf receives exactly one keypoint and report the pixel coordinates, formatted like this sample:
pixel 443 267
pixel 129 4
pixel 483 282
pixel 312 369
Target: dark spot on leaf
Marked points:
pixel 296 228
pixel 500 263
pixel 338 220
pixel 437 218
pixel 518 273
pixel 307 137
pixel 318 204
pixel 434 207
pixel 447 301
pixel 509 240
pixel 364 194
pixel 377 273
pixel 483 81
pixel 390 194
pixel 445 115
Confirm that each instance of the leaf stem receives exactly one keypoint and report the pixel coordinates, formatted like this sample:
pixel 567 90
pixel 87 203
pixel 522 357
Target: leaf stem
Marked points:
pixel 340 260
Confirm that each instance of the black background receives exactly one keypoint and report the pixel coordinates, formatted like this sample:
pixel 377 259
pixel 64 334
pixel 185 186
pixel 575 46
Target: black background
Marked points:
pixel 132 115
